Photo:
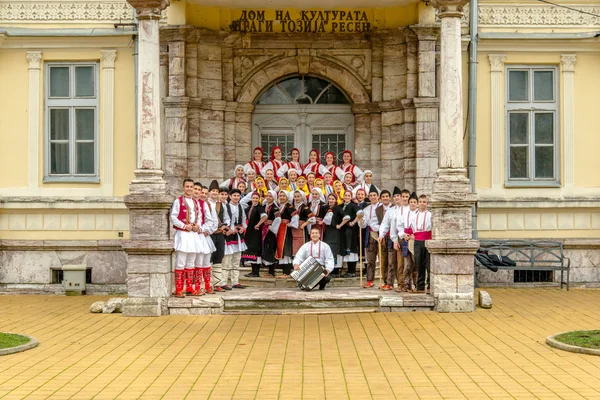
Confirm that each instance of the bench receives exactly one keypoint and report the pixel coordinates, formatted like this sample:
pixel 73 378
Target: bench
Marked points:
pixel 530 256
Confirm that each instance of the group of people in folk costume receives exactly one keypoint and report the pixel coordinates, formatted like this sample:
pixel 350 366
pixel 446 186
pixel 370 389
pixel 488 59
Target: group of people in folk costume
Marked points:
pixel 276 214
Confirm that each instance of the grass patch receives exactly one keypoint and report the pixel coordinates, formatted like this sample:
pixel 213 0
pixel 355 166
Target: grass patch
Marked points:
pixel 11 340
pixel 587 339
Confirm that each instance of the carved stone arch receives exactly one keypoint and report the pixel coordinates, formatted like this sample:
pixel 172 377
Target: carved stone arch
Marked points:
pixel 319 67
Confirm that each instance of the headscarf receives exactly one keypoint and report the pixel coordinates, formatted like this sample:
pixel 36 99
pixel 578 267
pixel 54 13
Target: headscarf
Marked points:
pixel 322 186
pixel 262 192
pixel 333 154
pixel 286 180
pixel 291 151
pixel 363 190
pixel 344 152
pixel 261 151
pixel 235 170
pixel 321 194
pixel 274 194
pixel 302 196
pixel 306 189
pixel 340 195
pixel 318 157
pixel 273 153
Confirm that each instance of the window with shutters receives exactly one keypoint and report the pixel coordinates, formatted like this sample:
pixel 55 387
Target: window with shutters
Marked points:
pixel 71 122
pixel 532 157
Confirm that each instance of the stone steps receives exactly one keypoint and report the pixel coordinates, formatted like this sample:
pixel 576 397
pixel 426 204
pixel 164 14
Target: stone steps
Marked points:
pixel 290 283
pixel 304 311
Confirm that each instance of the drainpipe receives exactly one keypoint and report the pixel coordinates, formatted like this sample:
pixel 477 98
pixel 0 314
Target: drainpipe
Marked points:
pixel 135 79
pixel 472 104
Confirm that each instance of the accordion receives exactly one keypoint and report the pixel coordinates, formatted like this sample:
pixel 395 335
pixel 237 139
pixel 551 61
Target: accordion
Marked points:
pixel 309 274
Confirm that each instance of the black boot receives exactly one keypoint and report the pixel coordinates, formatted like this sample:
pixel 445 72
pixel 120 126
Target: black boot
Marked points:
pixel 324 282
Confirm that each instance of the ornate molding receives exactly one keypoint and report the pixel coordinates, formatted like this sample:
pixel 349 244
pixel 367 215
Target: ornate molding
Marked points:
pixel 149 9
pixel 246 62
pixel 108 58
pixel 76 11
pixel 567 62
pixel 34 58
pixel 356 61
pixel 497 62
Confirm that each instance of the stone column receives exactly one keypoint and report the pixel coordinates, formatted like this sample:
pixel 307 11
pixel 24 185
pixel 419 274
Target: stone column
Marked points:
pixel 452 248
pixel 108 58
pixel 149 248
pixel 243 132
pixel 362 135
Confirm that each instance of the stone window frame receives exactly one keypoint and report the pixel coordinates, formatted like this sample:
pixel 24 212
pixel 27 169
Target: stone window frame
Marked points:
pixel 71 103
pixel 531 107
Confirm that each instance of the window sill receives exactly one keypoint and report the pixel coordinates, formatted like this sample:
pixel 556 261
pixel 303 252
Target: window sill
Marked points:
pixel 71 179
pixel 531 184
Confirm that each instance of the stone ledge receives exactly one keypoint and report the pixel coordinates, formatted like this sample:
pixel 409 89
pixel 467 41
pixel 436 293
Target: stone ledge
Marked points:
pixel 62 245
pixel 148 246
pixel 452 246
pixel 195 302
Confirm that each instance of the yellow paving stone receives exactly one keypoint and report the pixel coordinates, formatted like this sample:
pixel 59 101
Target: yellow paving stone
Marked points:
pixel 497 353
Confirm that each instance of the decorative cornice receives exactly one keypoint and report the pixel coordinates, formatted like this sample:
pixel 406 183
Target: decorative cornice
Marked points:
pixel 34 58
pixel 108 58
pixel 567 62
pixel 497 62
pixel 75 11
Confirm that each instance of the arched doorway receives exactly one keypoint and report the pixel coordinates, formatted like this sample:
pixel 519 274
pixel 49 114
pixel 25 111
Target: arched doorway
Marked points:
pixel 304 112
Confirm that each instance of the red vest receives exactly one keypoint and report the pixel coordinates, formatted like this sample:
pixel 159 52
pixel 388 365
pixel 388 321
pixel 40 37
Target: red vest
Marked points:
pixel 183 212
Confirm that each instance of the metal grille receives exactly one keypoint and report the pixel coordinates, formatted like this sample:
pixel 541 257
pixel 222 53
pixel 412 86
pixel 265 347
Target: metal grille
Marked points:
pixel 325 142
pixel 533 276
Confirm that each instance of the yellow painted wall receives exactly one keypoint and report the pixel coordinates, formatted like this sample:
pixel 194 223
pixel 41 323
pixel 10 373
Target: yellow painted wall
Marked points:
pixel 13 118
pixel 483 175
pixel 587 126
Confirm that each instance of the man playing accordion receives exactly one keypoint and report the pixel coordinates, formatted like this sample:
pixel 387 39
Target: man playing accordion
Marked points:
pixel 318 250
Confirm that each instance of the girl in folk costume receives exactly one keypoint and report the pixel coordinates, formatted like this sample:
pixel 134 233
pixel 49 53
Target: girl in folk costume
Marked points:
pixel 347 166
pixel 250 178
pixel 367 184
pixel 302 217
pixel 317 202
pixel 288 166
pixel 269 232
pixel 336 172
pixel 217 200
pixel 319 185
pixel 259 187
pixel 327 183
pixel 348 182
pixel 234 240
pixel 284 251
pixel 332 218
pixel 303 187
pixel 189 218
pixel 284 184
pixel 275 163
pixel 349 229
pixel 314 164
pixel 256 163
pixel 310 180
pixel 293 177
pixel 243 188
pixel 253 236
pixel 270 181
pixel 238 176
pixel 338 190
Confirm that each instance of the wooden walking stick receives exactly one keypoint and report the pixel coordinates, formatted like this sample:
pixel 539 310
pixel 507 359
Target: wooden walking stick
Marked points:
pixel 360 249
pixel 380 262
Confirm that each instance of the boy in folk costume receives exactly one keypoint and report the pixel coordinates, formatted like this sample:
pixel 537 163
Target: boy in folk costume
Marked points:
pixel 397 215
pixel 234 242
pixel 403 242
pixel 190 217
pixel 217 200
pixel 318 250
pixel 371 225
pixel 386 265
pixel 420 224
pixel 256 163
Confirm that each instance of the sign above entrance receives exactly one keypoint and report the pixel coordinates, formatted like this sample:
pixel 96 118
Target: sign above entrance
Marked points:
pixel 301 21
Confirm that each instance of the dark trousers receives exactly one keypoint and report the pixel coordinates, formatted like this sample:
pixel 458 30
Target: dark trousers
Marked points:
pixel 323 282
pixel 422 264
pixel 371 259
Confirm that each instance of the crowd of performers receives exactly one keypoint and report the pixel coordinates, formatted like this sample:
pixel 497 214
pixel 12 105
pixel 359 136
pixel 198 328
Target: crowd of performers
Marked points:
pixel 274 215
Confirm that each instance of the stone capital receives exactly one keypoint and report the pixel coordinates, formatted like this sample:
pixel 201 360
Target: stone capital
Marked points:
pixel 34 58
pixel 567 61
pixel 108 58
pixel 426 32
pixel 496 62
pixel 449 8
pixel 149 9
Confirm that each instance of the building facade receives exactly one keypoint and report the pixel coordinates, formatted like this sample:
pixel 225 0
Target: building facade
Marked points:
pixel 202 84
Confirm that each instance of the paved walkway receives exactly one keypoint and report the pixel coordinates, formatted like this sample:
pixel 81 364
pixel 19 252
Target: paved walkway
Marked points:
pixel 498 353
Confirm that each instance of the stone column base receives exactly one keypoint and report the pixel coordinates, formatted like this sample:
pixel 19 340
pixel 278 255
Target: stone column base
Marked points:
pixel 452 280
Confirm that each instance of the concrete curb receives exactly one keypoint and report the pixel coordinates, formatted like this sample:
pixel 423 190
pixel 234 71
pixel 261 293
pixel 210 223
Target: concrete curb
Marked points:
pixel 550 341
pixel 33 342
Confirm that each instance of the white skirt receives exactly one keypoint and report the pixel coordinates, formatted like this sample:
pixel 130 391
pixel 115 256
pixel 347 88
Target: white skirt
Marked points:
pixel 352 257
pixel 234 244
pixel 192 242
